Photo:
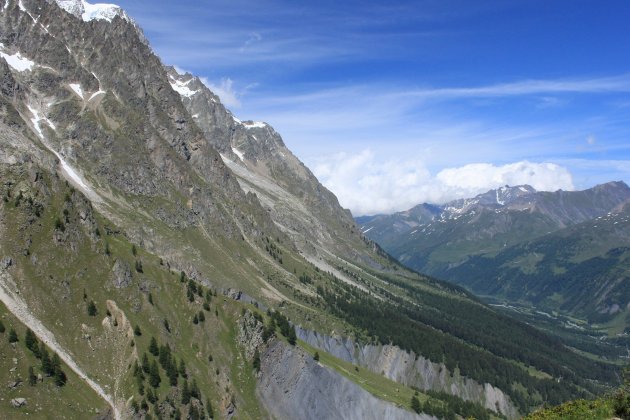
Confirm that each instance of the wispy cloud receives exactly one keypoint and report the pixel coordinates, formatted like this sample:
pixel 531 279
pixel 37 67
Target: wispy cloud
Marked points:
pixel 614 84
pixel 225 90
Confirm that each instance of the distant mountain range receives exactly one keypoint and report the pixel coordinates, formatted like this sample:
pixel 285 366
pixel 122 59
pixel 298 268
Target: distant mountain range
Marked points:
pixel 563 250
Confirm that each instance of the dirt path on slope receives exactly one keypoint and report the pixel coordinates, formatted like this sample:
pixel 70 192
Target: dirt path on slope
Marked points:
pixel 16 305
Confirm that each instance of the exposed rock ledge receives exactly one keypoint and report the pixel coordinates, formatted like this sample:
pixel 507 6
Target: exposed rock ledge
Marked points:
pixel 294 386
pixel 405 368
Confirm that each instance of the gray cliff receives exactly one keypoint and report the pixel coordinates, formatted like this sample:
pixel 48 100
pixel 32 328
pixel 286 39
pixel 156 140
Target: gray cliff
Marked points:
pixel 411 369
pixel 294 386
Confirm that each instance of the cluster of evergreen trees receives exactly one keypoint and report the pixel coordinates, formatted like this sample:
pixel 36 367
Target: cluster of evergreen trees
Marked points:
pixel 439 327
pixel 50 365
pixel 283 324
pixel 149 371
pixel 449 407
pixel 273 250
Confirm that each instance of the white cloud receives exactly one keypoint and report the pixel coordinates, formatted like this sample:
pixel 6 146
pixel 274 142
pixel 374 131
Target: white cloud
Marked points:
pixel 368 185
pixel 253 38
pixel 483 176
pixel 225 91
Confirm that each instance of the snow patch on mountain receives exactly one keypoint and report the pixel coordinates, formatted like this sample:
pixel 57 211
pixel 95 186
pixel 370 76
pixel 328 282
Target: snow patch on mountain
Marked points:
pixel 182 87
pixel 499 201
pixel 77 89
pixel 88 11
pixel 254 124
pixel 67 169
pixel 16 61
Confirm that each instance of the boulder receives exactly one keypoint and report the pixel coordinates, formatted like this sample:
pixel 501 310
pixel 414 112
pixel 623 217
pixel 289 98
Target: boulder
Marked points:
pixel 121 274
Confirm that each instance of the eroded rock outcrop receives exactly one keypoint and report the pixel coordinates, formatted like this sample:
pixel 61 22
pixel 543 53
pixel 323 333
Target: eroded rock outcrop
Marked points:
pixel 294 386
pixel 409 369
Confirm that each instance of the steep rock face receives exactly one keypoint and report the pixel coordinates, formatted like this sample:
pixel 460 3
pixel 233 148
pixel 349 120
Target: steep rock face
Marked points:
pixel 96 96
pixel 293 385
pixel 256 153
pixel 412 370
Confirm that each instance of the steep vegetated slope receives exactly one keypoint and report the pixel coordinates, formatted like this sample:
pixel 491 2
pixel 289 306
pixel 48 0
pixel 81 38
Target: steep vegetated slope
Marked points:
pixel 165 246
pixel 563 251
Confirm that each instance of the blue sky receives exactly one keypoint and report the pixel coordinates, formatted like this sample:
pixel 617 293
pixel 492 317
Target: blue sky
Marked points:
pixel 392 104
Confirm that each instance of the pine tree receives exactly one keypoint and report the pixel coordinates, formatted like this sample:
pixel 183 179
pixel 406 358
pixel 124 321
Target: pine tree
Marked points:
pixel 32 379
pixel 13 338
pixel 166 325
pixel 145 363
pixel 165 356
pixel 415 404
pixel 139 268
pixel 151 396
pixel 291 336
pixel 140 385
pixel 153 347
pixel 47 366
pixel 268 331
pixel 171 372
pixel 185 393
pixel 91 308
pixel 134 251
pixel 192 286
pixel 256 362
pixel 137 331
pixel 201 316
pixel 182 369
pixel 195 320
pixel 31 343
pixel 137 371
pixel 2 329
pixel 316 356
pixel 194 390
pixel 154 375
pixel 60 377
pixel 55 362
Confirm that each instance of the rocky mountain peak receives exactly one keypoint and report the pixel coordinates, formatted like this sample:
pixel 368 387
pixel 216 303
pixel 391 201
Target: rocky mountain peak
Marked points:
pixel 619 187
pixel 498 198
